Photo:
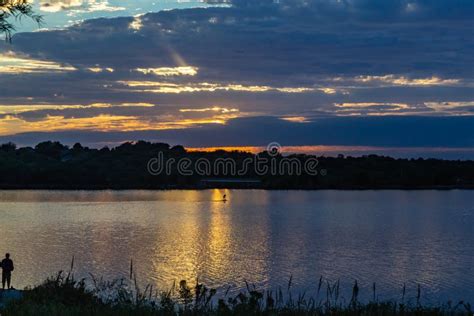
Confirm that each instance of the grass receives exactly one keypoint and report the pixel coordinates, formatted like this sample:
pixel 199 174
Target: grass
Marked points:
pixel 64 295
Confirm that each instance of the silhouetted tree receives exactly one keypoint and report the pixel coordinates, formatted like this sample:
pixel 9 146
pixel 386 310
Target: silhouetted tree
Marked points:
pixel 15 9
pixel 51 149
pixel 54 165
pixel 8 147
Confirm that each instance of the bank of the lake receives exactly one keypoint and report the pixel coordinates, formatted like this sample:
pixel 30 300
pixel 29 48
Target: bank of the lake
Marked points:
pixel 62 295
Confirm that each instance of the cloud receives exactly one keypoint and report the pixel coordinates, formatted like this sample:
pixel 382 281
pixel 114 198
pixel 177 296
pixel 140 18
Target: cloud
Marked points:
pixel 296 62
pixel 366 9
pixel 99 69
pixel 58 5
pixel 371 104
pixel 108 117
pixel 387 132
pixel 302 47
pixel 374 108
pixel 169 87
pixel 13 63
pixel 136 24
pixel 213 109
pixel 170 71
pixel 404 81
pixel 461 107
pixel 295 119
pixel 78 6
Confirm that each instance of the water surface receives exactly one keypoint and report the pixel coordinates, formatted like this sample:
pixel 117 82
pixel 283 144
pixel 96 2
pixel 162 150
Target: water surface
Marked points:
pixel 264 237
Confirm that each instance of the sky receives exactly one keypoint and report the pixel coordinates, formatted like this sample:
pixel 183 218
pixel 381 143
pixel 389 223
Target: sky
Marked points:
pixel 392 77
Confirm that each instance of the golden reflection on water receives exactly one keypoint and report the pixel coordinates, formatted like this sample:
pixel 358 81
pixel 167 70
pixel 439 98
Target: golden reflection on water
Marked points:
pixel 264 237
pixel 220 227
pixel 182 263
pixel 204 240
pixel 219 235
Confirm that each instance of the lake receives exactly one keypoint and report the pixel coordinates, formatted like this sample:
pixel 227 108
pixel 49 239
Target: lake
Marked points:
pixel 264 237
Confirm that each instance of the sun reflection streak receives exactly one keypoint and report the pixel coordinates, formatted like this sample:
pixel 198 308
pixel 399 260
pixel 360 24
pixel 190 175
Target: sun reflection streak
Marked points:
pixel 220 235
pixel 184 263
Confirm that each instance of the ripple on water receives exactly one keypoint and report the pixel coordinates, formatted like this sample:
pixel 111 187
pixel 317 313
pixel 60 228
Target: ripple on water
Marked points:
pixel 388 237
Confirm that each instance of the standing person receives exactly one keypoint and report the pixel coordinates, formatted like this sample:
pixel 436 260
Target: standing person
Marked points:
pixel 7 268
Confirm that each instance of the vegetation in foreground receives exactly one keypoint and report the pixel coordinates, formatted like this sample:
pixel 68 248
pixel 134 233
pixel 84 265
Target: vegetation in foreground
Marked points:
pixel 65 296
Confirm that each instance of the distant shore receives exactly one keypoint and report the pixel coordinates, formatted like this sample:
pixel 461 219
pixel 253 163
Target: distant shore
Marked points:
pixel 197 187
pixel 157 166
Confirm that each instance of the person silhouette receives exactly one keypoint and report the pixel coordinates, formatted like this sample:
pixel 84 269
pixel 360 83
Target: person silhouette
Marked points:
pixel 7 268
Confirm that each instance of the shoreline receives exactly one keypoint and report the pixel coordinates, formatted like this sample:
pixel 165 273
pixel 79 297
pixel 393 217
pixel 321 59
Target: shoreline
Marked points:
pixel 64 295
pixel 263 188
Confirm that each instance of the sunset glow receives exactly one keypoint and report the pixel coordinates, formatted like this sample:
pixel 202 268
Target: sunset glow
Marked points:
pixel 214 73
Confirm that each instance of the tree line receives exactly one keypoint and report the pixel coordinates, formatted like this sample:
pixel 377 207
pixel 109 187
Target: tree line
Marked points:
pixel 52 165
